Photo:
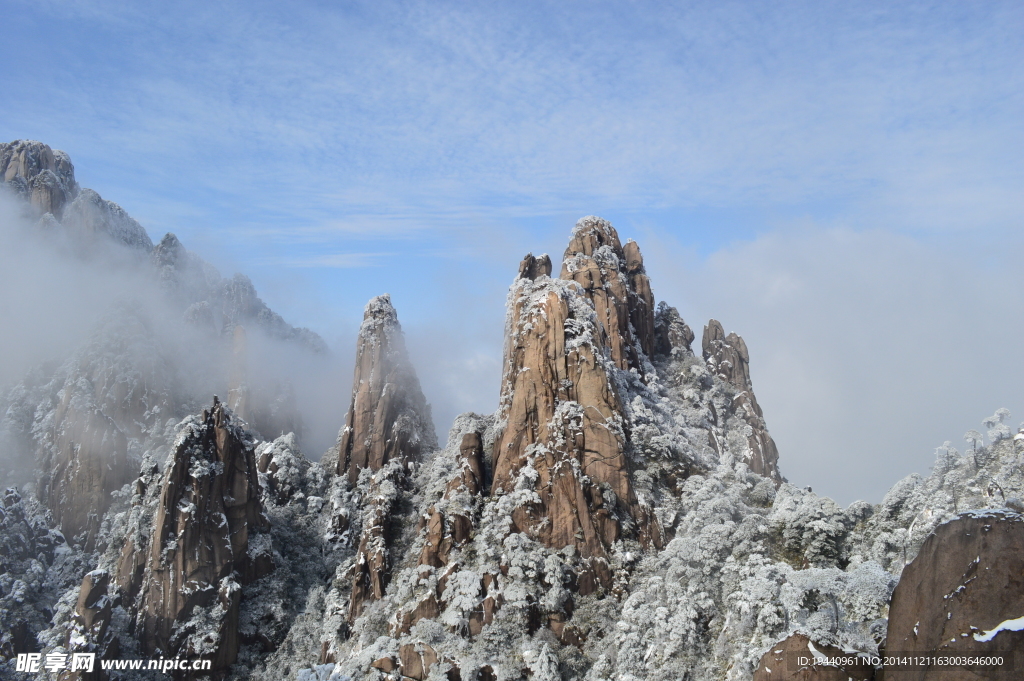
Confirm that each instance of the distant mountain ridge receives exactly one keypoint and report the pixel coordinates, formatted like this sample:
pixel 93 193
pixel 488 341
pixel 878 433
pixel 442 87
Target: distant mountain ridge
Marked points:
pixel 109 400
pixel 45 180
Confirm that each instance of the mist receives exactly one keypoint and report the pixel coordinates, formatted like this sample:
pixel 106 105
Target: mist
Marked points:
pixel 868 348
pixel 79 307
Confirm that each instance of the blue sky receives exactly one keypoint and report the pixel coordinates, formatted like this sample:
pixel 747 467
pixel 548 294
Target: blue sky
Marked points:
pixel 840 183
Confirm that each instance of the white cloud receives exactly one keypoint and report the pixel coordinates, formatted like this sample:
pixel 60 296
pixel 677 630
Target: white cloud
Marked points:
pixel 868 349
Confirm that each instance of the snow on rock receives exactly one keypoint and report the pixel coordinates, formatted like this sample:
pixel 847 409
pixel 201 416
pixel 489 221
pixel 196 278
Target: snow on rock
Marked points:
pixel 43 176
pixel 728 357
pixel 388 418
pixel 964 589
pixel 184 595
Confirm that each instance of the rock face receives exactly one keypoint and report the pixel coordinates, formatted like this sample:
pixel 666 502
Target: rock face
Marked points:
pixel 388 419
pixel 90 217
pixel 35 171
pixel 91 632
pixel 727 357
pixel 446 531
pixel 616 283
pixel 962 595
pixel 89 460
pixel 111 391
pixel 671 334
pixel 187 589
pixel 564 431
pixel 372 570
pixel 388 425
pixel 794 660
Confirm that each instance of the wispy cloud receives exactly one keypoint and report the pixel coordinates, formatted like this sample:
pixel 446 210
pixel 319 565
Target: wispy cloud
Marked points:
pixel 333 260
pixel 886 106
pixel 423 148
pixel 868 349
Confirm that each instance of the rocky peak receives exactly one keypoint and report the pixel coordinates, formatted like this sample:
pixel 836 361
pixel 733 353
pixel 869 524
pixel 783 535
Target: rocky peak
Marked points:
pixel 42 175
pixel 564 431
pixel 727 357
pixel 90 217
pixel 671 334
pixel 185 587
pixel 169 252
pixel 531 267
pixel 618 287
pixel 388 417
pixel 46 179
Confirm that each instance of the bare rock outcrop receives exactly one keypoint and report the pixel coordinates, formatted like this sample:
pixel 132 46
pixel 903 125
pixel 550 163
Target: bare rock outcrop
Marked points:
pixel 388 418
pixel 962 596
pixel 672 336
pixel 532 267
pixel 40 174
pixel 615 281
pixel 202 547
pixel 797 658
pixel 449 530
pixel 728 358
pixel 564 432
pixel 91 631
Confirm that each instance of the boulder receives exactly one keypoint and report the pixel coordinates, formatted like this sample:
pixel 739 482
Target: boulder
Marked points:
pixel 962 595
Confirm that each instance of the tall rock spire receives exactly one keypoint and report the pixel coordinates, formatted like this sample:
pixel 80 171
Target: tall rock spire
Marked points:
pixel 388 424
pixel 564 431
pixel 200 550
pixel 388 417
pixel 727 357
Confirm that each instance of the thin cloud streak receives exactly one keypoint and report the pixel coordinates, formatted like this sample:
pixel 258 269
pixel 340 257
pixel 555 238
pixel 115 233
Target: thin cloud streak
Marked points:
pixel 332 260
pixel 459 105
